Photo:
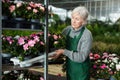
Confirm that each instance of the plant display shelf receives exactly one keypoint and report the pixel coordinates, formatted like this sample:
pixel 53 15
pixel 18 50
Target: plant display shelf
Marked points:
pixel 21 24
pixel 46 40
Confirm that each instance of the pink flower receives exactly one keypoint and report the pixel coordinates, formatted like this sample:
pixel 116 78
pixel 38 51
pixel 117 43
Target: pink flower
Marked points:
pixel 12 8
pixel 103 66
pixel 49 34
pixel 31 43
pixel 96 56
pixel 11 41
pixel 35 10
pixel 94 66
pixel 42 8
pixel 21 41
pixel 33 5
pixel 18 4
pixel 25 47
pixel 8 38
pixel 36 39
pixel 41 78
pixel 91 56
pixel 105 55
pixel 55 37
pixel 29 8
pixel 42 43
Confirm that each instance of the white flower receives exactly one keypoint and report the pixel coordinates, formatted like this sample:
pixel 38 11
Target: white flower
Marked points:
pixel 98 61
pixel 17 36
pixel 117 67
pixel 112 64
pixel 115 60
pixel 105 61
pixel 114 54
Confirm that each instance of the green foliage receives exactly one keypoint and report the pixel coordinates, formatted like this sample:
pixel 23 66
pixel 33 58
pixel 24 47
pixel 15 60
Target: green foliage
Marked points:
pixel 117 75
pixel 18 32
pixel 100 47
pixel 57 29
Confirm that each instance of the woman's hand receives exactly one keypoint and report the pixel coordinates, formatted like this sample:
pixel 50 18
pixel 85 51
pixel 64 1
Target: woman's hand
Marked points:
pixel 58 53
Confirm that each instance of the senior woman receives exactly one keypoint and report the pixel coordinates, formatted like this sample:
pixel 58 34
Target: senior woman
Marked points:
pixel 78 45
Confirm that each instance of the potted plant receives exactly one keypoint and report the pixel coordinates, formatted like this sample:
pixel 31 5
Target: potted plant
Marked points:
pixel 34 11
pixel 103 65
pixel 22 46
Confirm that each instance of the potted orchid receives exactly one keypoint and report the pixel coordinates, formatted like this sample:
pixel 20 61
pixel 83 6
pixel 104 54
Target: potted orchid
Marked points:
pixel 103 65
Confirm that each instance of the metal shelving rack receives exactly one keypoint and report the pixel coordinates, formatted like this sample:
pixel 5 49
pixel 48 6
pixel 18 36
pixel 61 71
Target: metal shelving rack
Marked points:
pixel 46 2
pixel 0 42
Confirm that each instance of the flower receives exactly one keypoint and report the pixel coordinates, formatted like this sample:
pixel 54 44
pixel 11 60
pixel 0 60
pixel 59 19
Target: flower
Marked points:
pixel 34 10
pixel 22 9
pixel 104 65
pixel 33 44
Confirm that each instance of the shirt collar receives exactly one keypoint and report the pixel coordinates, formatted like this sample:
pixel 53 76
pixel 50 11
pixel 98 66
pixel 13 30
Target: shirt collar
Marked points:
pixel 77 29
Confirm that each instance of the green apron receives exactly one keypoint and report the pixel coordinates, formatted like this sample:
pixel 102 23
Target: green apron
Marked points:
pixel 75 70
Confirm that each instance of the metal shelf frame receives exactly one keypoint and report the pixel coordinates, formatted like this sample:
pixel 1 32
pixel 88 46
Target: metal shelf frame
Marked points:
pixel 46 2
pixel 0 41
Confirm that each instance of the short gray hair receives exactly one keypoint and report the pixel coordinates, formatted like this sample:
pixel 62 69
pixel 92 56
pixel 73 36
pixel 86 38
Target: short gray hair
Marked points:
pixel 82 11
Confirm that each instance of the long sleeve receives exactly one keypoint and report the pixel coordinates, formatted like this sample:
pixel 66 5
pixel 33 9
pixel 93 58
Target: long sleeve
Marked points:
pixel 83 48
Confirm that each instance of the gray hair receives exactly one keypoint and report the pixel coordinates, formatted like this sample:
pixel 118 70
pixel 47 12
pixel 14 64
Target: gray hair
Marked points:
pixel 82 11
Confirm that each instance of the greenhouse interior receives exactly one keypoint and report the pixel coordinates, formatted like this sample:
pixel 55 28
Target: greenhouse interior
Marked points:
pixel 60 40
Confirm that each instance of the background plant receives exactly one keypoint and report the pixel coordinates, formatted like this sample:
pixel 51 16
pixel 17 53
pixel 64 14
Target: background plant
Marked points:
pixel 103 65
pixel 5 7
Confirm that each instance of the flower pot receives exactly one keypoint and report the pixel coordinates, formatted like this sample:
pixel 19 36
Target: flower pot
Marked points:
pixel 17 61
pixel 35 24
pixel 4 21
pixel 6 58
pixel 18 22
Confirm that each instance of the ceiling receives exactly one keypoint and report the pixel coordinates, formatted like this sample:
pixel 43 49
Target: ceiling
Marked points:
pixel 66 4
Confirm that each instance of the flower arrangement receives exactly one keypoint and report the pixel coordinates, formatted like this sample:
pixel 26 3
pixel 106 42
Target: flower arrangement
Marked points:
pixel 23 45
pixel 19 9
pixel 104 65
pixel 33 44
pixel 34 10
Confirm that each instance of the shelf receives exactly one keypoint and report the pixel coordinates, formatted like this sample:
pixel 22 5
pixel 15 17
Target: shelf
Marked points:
pixel 22 24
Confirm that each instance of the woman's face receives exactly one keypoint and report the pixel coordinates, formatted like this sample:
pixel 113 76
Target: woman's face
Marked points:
pixel 76 21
